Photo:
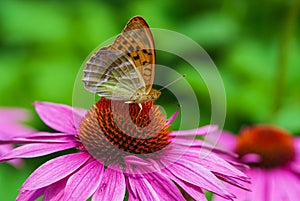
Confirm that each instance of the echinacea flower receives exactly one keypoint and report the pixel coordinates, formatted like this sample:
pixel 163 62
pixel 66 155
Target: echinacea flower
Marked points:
pixel 11 125
pixel 120 148
pixel 274 157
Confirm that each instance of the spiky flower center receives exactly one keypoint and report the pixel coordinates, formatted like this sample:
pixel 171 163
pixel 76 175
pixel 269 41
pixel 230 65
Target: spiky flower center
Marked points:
pixel 273 145
pixel 113 129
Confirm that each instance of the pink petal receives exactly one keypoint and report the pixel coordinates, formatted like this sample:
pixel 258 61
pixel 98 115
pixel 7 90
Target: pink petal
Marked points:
pixel 172 118
pixel 258 188
pixel 259 185
pixel 35 150
pixel 195 174
pixel 209 160
pixel 194 191
pixel 112 186
pixel 284 185
pixel 9 130
pixel 17 163
pixel 59 117
pixel 13 115
pixel 82 184
pixel 48 140
pixel 241 195
pixel 4 149
pixel 55 192
pixel 190 143
pixel 55 170
pixel 164 188
pixel 48 134
pixel 142 188
pixel 132 196
pixel 196 132
pixel 295 165
pixel 227 141
pixel 235 182
pixel 134 160
pixel 215 163
pixel 30 195
pixel 297 145
pixel 43 137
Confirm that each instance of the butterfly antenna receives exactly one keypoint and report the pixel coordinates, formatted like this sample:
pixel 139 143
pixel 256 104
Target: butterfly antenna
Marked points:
pixel 179 78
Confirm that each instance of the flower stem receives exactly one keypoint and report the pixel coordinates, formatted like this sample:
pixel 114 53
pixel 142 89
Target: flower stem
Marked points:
pixel 280 75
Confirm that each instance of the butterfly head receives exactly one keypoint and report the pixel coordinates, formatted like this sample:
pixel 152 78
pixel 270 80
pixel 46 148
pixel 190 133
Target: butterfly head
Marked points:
pixel 154 94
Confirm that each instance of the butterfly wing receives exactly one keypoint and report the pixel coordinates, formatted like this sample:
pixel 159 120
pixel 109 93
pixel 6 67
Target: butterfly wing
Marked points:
pixel 112 74
pixel 119 70
pixel 137 42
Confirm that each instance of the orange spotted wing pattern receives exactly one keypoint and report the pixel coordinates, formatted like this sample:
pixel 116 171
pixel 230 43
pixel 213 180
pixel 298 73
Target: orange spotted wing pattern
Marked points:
pixel 125 69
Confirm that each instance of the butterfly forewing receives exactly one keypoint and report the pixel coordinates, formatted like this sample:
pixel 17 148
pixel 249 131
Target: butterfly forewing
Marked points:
pixel 136 40
pixel 125 67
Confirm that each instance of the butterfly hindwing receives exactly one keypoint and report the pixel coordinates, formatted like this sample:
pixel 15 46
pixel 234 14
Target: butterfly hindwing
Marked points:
pixel 113 75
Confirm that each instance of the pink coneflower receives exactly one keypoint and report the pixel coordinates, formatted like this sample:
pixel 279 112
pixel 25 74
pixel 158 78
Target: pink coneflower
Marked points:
pixel 11 125
pixel 274 157
pixel 120 148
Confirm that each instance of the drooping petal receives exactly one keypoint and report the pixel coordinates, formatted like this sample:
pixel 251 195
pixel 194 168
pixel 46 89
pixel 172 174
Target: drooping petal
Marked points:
pixel 258 187
pixel 132 196
pixel 217 166
pixel 82 184
pixel 214 163
pixel 35 150
pixel 164 187
pixel 194 191
pixel 141 188
pixel 195 174
pixel 59 117
pixel 239 193
pixel 112 186
pixel 55 170
pixel 55 192
pixel 30 195
pixel 201 144
pixel 195 132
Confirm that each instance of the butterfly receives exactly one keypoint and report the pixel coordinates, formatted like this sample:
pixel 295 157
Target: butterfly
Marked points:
pixel 125 69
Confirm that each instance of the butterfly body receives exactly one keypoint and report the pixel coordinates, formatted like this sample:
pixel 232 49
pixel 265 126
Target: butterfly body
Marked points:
pixel 141 96
pixel 125 69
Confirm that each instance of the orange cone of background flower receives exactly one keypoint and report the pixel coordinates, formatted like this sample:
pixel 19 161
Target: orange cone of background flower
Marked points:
pixel 274 159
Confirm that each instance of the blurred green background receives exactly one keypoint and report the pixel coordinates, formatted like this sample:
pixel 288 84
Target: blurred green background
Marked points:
pixel 255 46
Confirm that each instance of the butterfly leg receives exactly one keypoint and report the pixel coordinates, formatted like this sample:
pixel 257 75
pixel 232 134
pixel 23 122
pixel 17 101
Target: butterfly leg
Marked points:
pixel 141 108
